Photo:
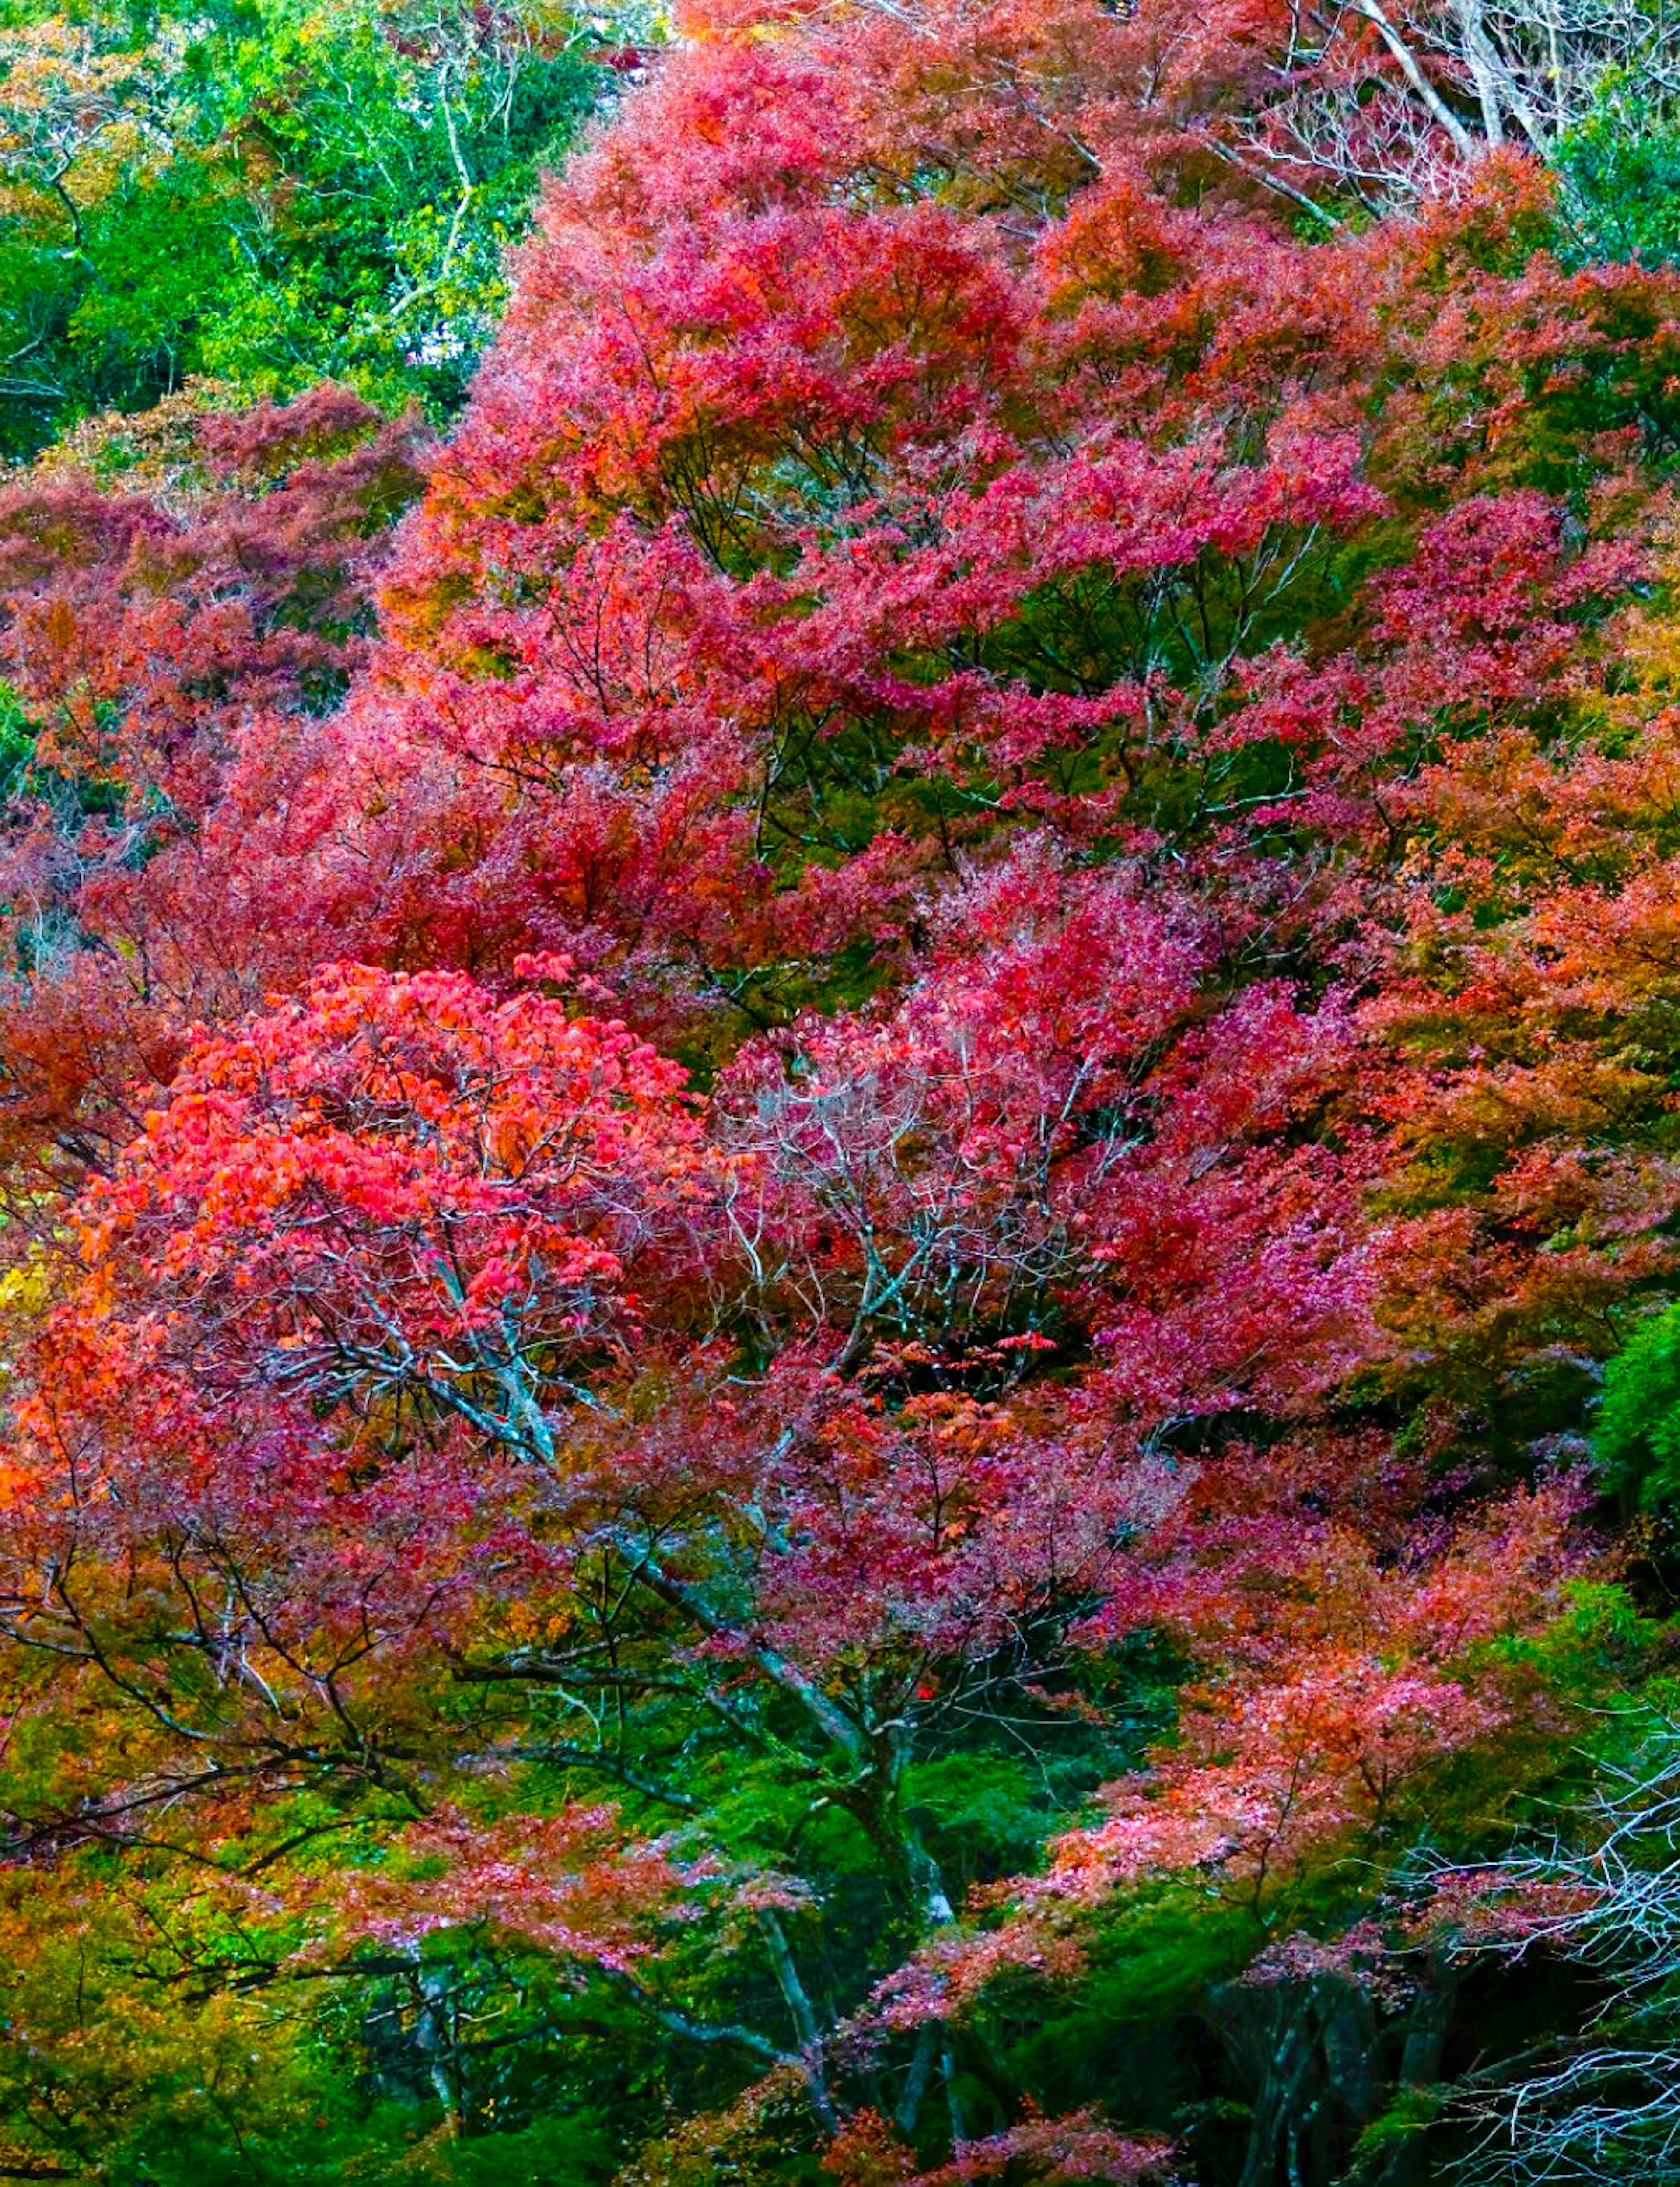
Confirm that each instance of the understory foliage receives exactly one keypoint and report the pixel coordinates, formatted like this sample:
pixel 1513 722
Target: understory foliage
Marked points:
pixel 839 1177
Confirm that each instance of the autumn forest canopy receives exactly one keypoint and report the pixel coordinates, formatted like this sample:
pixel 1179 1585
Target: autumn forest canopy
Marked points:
pixel 839 1092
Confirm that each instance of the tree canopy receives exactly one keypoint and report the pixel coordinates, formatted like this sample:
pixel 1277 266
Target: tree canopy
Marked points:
pixel 838 1149
pixel 266 194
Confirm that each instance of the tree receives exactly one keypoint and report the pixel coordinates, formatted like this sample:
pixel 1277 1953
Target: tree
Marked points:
pixel 1602 2100
pixel 173 651
pixel 269 193
pixel 413 1305
pixel 891 1099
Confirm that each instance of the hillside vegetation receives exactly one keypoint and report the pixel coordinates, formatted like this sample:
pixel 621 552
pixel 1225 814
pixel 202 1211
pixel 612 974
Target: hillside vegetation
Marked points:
pixel 839 1094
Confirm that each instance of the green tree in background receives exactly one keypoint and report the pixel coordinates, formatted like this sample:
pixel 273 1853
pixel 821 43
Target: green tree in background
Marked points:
pixel 1621 171
pixel 271 192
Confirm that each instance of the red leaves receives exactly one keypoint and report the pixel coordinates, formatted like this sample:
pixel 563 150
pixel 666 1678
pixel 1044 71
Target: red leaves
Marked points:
pixel 1049 2152
pixel 1113 740
pixel 567 1887
pixel 402 1179
pixel 172 651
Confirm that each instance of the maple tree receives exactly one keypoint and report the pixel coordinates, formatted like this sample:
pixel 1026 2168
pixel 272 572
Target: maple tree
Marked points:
pixel 818 1164
pixel 172 652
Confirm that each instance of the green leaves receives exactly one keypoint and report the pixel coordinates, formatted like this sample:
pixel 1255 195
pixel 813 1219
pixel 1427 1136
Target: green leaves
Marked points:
pixel 1638 1430
pixel 272 193
pixel 1620 169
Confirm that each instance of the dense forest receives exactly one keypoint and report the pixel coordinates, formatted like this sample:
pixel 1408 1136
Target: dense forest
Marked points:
pixel 839 1092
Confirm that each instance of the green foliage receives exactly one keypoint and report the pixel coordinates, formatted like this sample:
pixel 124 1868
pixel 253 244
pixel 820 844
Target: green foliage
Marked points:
pixel 1413 2112
pixel 1602 1638
pixel 1639 1430
pixel 1621 171
pixel 269 193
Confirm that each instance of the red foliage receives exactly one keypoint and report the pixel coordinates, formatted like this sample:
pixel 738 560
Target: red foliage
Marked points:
pixel 174 651
pixel 1128 752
